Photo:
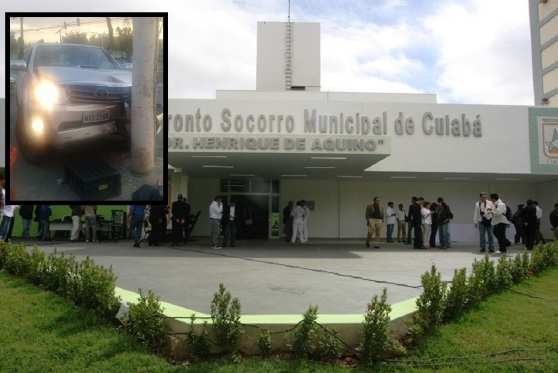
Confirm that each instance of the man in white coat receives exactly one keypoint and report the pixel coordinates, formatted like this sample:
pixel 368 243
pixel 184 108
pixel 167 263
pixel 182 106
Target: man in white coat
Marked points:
pixel 482 218
pixel 298 222
pixel 215 216
pixel 500 223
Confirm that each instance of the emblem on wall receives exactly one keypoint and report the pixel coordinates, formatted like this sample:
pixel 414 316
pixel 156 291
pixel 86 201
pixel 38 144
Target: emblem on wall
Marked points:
pixel 549 135
pixel 543 140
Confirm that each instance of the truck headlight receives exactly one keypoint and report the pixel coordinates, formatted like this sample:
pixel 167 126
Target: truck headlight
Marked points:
pixel 47 94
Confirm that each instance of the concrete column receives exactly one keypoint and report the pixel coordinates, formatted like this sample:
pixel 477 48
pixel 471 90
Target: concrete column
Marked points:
pixel 143 107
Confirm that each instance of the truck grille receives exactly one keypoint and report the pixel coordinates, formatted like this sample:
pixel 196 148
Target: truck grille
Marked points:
pixel 97 94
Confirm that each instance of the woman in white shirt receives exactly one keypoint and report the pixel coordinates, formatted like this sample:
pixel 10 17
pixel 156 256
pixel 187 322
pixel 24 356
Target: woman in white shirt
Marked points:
pixel 426 221
pixel 7 221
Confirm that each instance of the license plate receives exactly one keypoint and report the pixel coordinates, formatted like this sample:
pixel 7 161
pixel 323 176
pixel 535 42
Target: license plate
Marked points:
pixel 96 116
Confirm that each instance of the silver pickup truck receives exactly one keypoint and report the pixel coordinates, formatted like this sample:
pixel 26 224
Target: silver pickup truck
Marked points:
pixel 70 93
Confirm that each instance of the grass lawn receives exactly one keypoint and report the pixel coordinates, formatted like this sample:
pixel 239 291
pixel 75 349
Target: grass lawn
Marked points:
pixel 42 332
pixel 509 332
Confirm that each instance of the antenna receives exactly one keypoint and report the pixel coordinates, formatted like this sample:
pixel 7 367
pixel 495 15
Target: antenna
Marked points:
pixel 289 15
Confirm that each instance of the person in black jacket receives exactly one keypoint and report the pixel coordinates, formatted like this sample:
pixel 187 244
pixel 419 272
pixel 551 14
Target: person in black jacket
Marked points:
pixel 409 222
pixel 554 221
pixel 288 221
pixel 229 223
pixel 156 215
pixel 26 213
pixel 529 218
pixel 415 217
pixel 518 224
pixel 434 227
pixel 180 220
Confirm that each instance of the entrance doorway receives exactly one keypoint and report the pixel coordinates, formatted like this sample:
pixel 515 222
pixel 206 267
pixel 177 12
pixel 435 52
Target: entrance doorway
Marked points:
pixel 257 206
pixel 252 216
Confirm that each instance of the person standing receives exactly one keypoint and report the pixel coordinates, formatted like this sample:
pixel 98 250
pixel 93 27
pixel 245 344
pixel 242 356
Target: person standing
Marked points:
pixel 215 216
pixel 410 225
pixel 554 221
pixel 298 222
pixel 426 219
pixel 42 214
pixel 375 219
pixel 434 226
pixel 482 218
pixel 230 225
pixel 306 218
pixel 90 216
pixel 136 216
pixel 415 217
pixel 288 221
pixel 26 213
pixel 539 237
pixel 76 221
pixel 7 221
pixel 518 224
pixel 444 217
pixel 156 217
pixel 391 219
pixel 180 219
pixel 529 218
pixel 500 222
pixel 401 223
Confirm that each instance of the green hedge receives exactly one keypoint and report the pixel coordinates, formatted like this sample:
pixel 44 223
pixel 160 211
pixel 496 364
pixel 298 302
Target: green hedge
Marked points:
pixel 486 278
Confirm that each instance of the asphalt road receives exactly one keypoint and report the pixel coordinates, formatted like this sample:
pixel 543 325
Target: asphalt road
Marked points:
pixel 45 181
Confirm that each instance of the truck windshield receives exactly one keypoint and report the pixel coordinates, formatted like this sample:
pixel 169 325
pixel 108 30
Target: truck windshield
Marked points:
pixel 73 56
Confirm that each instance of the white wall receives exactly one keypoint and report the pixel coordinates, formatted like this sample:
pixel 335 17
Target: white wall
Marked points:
pixel 547 196
pixel 201 193
pixel 340 204
pixel 503 128
pixel 323 220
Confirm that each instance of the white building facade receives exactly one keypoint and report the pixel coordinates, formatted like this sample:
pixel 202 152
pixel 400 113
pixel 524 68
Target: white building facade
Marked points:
pixel 289 141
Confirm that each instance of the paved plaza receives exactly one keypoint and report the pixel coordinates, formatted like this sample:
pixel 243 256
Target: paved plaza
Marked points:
pixel 271 277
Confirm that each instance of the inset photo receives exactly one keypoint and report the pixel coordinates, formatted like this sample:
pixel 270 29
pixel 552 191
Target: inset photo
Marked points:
pixel 85 104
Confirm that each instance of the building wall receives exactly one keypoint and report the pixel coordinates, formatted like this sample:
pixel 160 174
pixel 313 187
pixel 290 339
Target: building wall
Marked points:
pixel 544 45
pixel 340 204
pixel 201 193
pixel 547 195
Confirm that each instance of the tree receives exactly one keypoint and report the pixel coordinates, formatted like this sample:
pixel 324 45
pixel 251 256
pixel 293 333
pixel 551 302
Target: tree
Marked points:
pixel 110 35
pixel 14 46
pixel 75 37
pixel 124 40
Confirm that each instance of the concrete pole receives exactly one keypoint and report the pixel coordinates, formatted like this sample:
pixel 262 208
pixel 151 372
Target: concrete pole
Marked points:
pixel 143 106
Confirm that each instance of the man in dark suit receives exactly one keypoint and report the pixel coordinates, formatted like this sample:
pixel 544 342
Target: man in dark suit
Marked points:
pixel 529 218
pixel 416 223
pixel 180 220
pixel 156 215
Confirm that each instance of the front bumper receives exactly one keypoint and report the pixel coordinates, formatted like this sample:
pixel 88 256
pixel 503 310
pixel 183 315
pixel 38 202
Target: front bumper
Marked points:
pixel 65 124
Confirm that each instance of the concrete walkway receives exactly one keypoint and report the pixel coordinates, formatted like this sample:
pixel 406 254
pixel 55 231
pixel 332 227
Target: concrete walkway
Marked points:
pixel 271 277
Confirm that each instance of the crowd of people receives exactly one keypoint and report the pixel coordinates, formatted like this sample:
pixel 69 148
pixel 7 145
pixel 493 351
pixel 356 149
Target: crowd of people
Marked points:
pixel 492 217
pixel 425 221
pixel 419 225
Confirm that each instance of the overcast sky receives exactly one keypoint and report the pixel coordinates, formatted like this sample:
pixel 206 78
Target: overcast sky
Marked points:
pixel 466 51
